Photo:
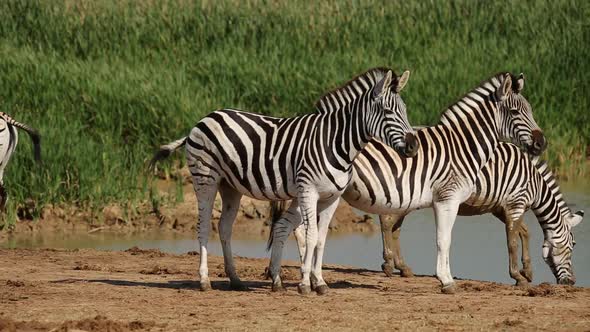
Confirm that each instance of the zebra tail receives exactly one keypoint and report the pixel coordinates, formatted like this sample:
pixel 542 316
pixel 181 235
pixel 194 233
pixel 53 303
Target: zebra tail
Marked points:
pixel 277 208
pixel 34 134
pixel 36 138
pixel 165 151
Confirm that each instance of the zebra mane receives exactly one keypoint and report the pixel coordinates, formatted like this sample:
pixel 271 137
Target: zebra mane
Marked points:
pixel 549 178
pixel 352 89
pixel 485 89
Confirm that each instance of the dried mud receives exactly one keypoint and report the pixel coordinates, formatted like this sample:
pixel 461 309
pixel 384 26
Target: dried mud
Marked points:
pixel 252 219
pixel 147 290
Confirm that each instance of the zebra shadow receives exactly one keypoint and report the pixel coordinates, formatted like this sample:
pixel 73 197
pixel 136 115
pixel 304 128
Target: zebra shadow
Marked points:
pixel 172 284
pixel 367 272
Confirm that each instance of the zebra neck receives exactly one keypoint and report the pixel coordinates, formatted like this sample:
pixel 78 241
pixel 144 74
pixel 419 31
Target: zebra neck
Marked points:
pixel 548 204
pixel 343 136
pixel 472 132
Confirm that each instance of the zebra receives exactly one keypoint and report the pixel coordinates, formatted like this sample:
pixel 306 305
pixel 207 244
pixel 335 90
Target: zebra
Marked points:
pixel 307 158
pixel 508 185
pixel 443 172
pixel 8 142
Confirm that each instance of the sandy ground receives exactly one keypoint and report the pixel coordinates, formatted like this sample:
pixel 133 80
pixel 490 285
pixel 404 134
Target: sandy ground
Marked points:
pixel 148 290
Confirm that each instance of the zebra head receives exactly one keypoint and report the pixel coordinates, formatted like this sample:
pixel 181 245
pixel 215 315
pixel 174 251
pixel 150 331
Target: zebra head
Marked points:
pixel 558 250
pixel 388 120
pixel 516 116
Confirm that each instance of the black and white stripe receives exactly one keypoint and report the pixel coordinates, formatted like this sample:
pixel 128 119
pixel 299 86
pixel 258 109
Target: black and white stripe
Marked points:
pixel 444 171
pixel 307 158
pixel 8 142
pixel 509 184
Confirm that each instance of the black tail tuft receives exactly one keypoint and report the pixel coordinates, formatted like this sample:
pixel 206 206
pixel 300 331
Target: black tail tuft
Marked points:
pixel 36 138
pixel 277 208
pixel 163 153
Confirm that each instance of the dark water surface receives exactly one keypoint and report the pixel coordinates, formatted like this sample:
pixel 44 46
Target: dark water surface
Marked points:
pixel 478 250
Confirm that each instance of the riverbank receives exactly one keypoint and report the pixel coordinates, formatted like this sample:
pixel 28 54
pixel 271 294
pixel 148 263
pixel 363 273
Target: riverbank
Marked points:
pixel 180 217
pixel 149 290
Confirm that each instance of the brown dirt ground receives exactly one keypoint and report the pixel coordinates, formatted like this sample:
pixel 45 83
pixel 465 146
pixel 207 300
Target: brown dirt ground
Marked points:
pixel 90 290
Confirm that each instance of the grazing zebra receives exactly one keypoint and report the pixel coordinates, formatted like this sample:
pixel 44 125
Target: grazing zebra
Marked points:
pixel 509 184
pixel 8 142
pixel 444 171
pixel 307 158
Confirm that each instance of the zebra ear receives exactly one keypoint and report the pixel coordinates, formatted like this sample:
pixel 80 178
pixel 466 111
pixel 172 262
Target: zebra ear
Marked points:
pixel 382 85
pixel 576 218
pixel 402 81
pixel 520 83
pixel 505 88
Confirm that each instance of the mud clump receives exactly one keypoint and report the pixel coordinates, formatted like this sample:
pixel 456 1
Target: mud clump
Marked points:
pixel 9 325
pixel 479 287
pixel 14 283
pixel 509 323
pixel 159 270
pixel 546 289
pixel 101 323
pixel 94 267
pixel 287 273
pixel 151 252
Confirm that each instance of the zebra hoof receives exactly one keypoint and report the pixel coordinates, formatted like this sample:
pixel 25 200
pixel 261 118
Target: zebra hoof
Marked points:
pixel 522 283
pixel 237 286
pixel 278 288
pixel 304 289
pixel 528 274
pixel 322 289
pixel 407 273
pixel 449 289
pixel 387 269
pixel 205 285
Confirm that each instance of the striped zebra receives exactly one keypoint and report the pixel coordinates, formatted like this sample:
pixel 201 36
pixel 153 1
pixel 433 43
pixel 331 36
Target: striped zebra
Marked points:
pixel 8 142
pixel 307 158
pixel 509 184
pixel 444 171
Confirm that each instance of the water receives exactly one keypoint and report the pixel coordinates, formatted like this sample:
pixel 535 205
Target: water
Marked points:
pixel 478 250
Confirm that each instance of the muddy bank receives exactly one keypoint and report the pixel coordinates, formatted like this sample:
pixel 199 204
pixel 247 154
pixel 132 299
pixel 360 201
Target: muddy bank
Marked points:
pixel 252 219
pixel 149 290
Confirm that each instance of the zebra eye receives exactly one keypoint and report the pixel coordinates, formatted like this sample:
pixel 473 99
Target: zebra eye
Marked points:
pixel 514 111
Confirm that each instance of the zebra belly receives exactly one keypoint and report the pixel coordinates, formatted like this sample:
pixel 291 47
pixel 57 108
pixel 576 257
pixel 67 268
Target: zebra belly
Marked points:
pixel 379 203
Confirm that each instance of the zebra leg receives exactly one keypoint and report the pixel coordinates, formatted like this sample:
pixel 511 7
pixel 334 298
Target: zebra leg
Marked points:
pixel 300 239
pixel 230 200
pixel 387 222
pixel 3 198
pixel 511 240
pixel 326 211
pixel 391 224
pixel 445 214
pixel 308 200
pixel 523 233
pixel 205 190
pixel 398 260
pixel 280 233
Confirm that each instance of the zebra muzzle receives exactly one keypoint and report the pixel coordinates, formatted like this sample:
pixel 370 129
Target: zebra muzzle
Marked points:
pixel 539 143
pixel 567 281
pixel 412 145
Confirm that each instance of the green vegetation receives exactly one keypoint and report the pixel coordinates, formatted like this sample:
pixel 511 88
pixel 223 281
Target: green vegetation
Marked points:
pixel 108 81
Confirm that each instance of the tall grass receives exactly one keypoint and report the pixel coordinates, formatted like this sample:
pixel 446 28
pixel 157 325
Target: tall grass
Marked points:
pixel 107 81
